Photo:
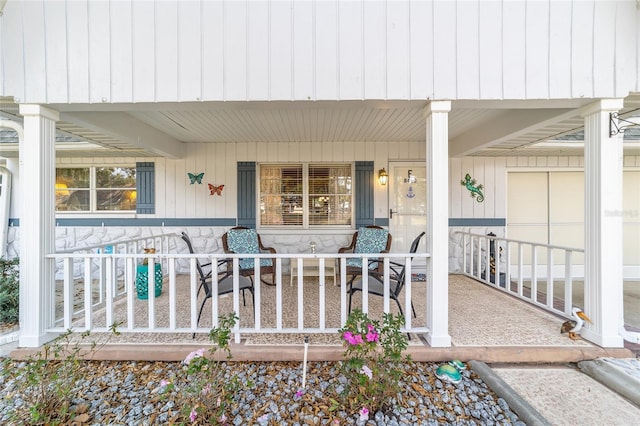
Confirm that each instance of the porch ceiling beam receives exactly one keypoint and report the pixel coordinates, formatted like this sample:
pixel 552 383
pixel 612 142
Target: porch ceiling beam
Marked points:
pixel 126 128
pixel 511 124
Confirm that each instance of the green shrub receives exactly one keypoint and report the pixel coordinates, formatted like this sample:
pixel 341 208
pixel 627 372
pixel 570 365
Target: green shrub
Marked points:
pixel 9 291
pixel 373 361
pixel 46 382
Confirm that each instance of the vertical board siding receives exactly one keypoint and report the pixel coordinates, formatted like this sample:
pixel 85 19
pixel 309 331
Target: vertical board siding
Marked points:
pixel 559 45
pixel 582 48
pixel 398 48
pixel 166 51
pixel 99 47
pixel 374 49
pixel 490 56
pixel 444 53
pixel 143 52
pixel 258 50
pixel 350 50
pixel 56 55
pixel 35 82
pixel 170 50
pixel 603 49
pixel 121 52
pixel 467 53
pixel 513 50
pixel 189 42
pixel 78 51
pixel 235 50
pixel 280 54
pixel 421 39
pixel 326 45
pixel 537 54
pixel 213 61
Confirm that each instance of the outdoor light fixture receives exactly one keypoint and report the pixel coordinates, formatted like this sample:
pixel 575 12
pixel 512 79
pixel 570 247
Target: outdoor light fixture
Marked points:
pixel 383 177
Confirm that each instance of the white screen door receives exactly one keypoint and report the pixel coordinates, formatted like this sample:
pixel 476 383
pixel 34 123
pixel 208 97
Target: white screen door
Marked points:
pixel 408 206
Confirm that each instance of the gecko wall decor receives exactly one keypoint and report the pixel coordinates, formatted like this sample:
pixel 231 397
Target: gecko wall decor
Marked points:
pixel 470 184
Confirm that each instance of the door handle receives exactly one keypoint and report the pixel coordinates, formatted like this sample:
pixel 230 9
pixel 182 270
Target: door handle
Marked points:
pixel 391 212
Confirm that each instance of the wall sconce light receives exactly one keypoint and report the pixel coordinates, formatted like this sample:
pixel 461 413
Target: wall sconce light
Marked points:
pixel 383 177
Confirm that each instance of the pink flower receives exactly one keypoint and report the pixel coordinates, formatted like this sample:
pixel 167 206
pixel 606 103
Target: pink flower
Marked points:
pixel 372 336
pixel 222 419
pixel 195 354
pixel 193 415
pixel 366 371
pixel 351 338
pixel 364 414
pixel 164 383
pixel 298 394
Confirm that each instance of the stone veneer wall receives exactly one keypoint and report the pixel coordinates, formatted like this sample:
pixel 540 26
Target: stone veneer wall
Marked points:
pixel 209 240
pixel 204 240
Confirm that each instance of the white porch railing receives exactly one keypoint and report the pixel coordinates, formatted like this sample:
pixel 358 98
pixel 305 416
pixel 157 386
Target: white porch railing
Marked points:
pixel 94 280
pixel 524 269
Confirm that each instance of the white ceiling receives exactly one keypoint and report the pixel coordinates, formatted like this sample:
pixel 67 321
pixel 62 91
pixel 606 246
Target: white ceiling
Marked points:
pixel 488 128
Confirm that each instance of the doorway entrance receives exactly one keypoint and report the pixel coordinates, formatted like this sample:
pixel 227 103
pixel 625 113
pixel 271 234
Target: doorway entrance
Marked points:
pixel 408 207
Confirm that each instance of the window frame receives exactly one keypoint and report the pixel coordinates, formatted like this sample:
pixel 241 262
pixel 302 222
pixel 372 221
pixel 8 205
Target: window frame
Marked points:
pixel 93 191
pixel 305 196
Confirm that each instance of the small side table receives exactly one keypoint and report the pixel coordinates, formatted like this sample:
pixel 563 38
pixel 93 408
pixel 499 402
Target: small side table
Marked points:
pixel 312 269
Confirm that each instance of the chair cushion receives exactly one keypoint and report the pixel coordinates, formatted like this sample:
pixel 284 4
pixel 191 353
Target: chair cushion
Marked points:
pixel 245 241
pixel 370 240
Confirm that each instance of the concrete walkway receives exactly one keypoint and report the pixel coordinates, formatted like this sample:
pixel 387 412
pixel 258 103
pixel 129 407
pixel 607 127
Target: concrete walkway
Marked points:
pixel 596 392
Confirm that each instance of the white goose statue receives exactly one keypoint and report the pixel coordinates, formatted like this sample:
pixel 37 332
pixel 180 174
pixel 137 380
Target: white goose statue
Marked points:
pixel 573 327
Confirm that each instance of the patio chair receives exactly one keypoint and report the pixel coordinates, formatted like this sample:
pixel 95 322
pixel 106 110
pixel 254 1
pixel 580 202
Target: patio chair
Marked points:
pixel 225 286
pixel 245 240
pixel 396 280
pixel 201 266
pixel 370 239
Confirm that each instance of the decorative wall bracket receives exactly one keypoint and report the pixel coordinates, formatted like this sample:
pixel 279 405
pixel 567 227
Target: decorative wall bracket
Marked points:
pixel 618 124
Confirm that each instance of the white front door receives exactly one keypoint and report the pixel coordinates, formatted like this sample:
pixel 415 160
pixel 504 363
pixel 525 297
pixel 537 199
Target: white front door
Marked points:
pixel 408 206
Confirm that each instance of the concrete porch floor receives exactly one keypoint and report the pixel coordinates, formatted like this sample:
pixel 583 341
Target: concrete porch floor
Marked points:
pixel 484 324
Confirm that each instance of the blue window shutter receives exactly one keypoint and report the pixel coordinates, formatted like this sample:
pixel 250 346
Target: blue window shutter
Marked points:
pixel 145 188
pixel 247 194
pixel 364 193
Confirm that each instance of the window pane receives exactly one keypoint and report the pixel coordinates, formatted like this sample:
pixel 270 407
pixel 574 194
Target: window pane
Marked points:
pixel 281 195
pixel 116 199
pixel 330 195
pixel 73 200
pixel 72 189
pixel 116 177
pixel 73 177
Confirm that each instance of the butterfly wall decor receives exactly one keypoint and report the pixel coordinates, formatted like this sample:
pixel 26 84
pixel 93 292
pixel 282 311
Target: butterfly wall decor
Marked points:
pixel 195 178
pixel 216 190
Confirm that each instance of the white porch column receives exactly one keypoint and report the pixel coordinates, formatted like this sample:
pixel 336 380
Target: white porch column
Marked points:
pixel 437 124
pixel 603 295
pixel 37 224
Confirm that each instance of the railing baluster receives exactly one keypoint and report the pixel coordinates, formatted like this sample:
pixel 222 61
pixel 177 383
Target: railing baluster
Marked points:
pixel 568 282
pixel 109 287
pixel 550 296
pixel 407 293
pixel 68 292
pixel 88 299
pixel 172 293
pixel 129 285
pixel 300 294
pixel 321 293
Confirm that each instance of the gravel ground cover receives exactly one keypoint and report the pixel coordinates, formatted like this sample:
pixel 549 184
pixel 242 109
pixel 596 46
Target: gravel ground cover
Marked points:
pixel 132 393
